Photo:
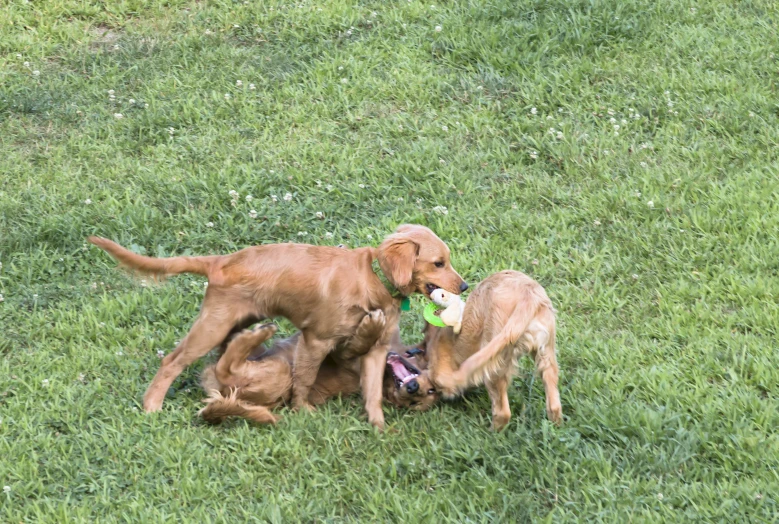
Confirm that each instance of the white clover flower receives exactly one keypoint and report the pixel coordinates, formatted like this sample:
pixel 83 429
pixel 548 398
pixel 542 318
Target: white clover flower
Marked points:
pixel 559 135
pixel 549 117
pixel 610 112
pixel 146 106
pixel 643 164
pixel 119 353
pixel 319 215
pixel 444 128
pixel 650 204
pixel 252 87
pixel 2 298
pixel 552 130
pixel 118 116
pixel 208 31
pixel 318 183
pixel 131 101
pixel 613 120
pixel 227 96
pixel 252 214
pixel 111 91
pixel 88 201
pixel 533 111
pixel 171 130
pixel 438 29
pixel 340 68
pixel 36 73
pixel 441 210
pixel 287 197
pixel 236 26
pixel 329 187
pixel 328 235
pixel 361 186
pixel 18 56
pixel 369 237
pixel 635 276
pixel 27 64
pixel 6 489
pixel 344 80
pixel 302 233
pixel 534 154
pixel 209 224
pixel 596 223
pixel 274 198
pixel 624 121
pixel 45 382
pixel 233 193
pixel 616 127
pixel 238 83
pixel 249 198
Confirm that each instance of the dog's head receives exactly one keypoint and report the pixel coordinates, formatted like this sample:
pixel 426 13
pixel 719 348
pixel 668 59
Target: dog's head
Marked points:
pixel 414 259
pixel 409 387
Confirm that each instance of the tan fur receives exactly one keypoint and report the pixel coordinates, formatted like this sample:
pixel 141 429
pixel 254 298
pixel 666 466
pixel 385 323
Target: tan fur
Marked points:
pixel 323 291
pixel 506 316
pixel 241 387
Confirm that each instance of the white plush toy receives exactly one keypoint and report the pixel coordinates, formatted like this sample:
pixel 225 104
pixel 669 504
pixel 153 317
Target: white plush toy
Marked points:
pixel 453 314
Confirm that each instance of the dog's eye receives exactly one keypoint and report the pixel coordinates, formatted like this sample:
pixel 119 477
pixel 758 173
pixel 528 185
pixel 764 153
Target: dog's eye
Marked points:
pixel 440 263
pixel 431 391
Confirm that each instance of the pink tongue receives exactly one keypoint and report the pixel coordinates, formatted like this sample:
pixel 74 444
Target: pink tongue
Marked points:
pixel 398 369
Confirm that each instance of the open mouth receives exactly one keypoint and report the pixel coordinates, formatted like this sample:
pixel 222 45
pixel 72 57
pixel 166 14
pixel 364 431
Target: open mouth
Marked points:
pixel 402 370
pixel 430 288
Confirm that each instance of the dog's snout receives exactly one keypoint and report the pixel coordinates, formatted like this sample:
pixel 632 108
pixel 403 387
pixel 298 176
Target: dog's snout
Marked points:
pixel 463 287
pixel 412 386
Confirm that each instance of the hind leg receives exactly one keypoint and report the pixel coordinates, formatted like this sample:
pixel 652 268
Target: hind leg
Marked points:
pixel 229 367
pixel 501 412
pixel 546 365
pixel 219 313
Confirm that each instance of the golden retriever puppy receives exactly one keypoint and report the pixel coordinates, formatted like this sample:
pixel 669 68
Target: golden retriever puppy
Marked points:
pixel 243 385
pixel 508 315
pixel 324 291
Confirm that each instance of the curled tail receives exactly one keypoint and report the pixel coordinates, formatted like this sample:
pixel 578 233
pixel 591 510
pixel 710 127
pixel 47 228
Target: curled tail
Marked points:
pixel 220 407
pixel 475 368
pixel 155 266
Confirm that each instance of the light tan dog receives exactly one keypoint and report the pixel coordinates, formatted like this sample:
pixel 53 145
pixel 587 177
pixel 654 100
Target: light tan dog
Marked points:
pixel 324 291
pixel 250 379
pixel 508 315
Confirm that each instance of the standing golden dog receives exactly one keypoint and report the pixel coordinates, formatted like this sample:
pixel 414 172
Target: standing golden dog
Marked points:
pixel 324 291
pixel 508 315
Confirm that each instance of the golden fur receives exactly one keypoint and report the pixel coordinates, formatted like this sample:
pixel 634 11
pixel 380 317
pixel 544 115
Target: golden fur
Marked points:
pixel 242 386
pixel 323 291
pixel 508 315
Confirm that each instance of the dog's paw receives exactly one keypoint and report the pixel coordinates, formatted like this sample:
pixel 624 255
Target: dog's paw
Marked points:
pixel 372 324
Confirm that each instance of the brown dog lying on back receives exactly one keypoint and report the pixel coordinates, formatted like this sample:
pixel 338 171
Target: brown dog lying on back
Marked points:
pixel 248 386
pixel 508 315
pixel 324 291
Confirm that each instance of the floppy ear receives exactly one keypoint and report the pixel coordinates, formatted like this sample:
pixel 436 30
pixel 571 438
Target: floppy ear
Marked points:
pixel 397 256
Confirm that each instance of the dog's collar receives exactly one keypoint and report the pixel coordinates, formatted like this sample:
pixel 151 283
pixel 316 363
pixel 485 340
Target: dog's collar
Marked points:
pixel 405 303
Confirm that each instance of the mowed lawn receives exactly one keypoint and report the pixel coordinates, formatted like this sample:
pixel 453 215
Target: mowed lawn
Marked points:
pixel 622 152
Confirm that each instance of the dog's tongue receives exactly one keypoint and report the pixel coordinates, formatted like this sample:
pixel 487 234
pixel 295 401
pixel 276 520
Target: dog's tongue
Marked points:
pixel 398 369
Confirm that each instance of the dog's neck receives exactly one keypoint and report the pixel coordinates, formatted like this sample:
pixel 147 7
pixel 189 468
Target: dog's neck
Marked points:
pixel 393 291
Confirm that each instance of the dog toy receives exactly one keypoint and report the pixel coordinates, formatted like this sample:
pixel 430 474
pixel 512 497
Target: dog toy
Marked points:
pixel 454 306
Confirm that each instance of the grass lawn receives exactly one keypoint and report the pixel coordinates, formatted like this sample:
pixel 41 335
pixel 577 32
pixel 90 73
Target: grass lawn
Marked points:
pixel 622 152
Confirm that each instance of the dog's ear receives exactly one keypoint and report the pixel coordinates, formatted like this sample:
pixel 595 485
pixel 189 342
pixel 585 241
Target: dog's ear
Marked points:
pixel 397 256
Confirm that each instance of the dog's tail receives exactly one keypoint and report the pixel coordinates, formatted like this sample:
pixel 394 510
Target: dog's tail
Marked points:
pixel 475 368
pixel 155 266
pixel 220 407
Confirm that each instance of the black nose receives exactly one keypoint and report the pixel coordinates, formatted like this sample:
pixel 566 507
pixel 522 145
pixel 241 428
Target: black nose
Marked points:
pixel 412 387
pixel 463 287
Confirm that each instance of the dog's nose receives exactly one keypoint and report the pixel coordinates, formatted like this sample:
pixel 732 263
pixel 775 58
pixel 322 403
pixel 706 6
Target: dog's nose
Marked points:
pixel 412 386
pixel 463 287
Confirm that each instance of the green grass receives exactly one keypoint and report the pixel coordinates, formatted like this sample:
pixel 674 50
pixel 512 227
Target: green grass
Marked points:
pixel 667 311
